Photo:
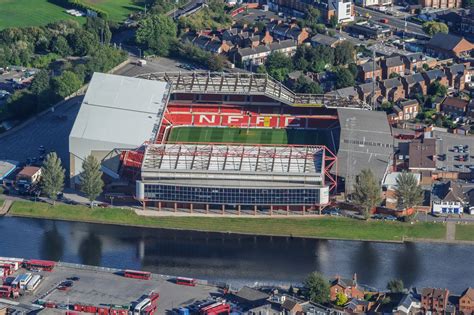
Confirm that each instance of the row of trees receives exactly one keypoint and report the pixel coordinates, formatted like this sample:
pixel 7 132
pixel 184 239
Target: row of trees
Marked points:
pixel 52 177
pixel 367 191
pixel 58 76
pixel 316 289
pixel 339 61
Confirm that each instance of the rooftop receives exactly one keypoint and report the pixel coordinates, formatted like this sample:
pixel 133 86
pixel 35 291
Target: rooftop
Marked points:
pixel 455 102
pixel 422 154
pixel 444 41
pixel 6 168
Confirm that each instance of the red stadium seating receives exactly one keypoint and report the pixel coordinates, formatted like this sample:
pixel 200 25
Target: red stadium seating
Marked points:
pixel 243 116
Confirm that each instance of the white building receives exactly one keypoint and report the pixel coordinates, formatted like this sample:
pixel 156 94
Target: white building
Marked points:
pixel 344 10
pixel 448 199
pixel 117 113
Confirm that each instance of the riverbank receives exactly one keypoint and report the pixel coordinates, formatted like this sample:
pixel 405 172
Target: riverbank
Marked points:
pixel 321 227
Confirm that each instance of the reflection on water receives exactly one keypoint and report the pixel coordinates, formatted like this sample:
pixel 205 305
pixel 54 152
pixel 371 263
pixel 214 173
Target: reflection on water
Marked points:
pixel 237 258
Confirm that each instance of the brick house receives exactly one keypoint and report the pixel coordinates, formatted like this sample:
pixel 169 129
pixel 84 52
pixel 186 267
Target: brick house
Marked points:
pixel 422 155
pixel 441 4
pixel 415 62
pixel 209 43
pixel 29 175
pixel 446 46
pixel 456 75
pixel 466 302
pixel 454 106
pixel 414 84
pixel 347 286
pixel 434 300
pixel 435 75
pixel 406 110
pixel 288 31
pixel 392 89
pixel 365 91
pixel 367 71
pixel 391 65
pixel 291 307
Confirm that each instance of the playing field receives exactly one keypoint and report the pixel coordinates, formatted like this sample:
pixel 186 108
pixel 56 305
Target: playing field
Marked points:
pixel 242 135
pixel 21 13
pixel 117 10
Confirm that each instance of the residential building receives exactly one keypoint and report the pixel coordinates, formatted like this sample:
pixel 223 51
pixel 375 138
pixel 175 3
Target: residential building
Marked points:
pixel 435 75
pixel 29 175
pixel 344 10
pixel 366 90
pixel 406 110
pixel 287 31
pixel 422 155
pixel 391 65
pixel 392 89
pixel 456 75
pixel 466 302
pixel 325 40
pixel 258 55
pixel 448 198
pixel 441 4
pixel 209 43
pixel 434 300
pixel 454 106
pixel 370 3
pixel 414 62
pixel 349 287
pixel 357 306
pixel 407 305
pixel 446 46
pixel 370 30
pixel 291 307
pixel 369 71
pixel 414 84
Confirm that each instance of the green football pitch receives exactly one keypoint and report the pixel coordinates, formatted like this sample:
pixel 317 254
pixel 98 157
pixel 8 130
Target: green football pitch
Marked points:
pixel 242 135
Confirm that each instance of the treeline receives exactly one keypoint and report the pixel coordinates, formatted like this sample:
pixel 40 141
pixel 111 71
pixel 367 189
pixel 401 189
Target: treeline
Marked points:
pixel 157 34
pixel 67 55
pixel 338 61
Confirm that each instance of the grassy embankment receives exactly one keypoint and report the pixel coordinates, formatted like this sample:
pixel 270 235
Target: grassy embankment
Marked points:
pixel 338 228
pixel 465 232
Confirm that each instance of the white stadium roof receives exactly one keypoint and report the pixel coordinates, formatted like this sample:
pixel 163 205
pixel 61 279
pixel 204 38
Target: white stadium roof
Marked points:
pixel 120 109
pixel 117 113
pixel 234 158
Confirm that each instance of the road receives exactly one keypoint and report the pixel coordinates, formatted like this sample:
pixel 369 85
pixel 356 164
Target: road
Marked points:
pixel 392 21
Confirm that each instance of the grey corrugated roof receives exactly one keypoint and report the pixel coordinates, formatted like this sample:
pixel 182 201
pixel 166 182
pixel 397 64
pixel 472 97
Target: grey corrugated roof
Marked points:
pixel 251 294
pixel 366 142
pixel 119 109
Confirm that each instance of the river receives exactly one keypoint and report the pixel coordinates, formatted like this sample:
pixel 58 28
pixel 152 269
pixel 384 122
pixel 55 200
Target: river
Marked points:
pixel 238 259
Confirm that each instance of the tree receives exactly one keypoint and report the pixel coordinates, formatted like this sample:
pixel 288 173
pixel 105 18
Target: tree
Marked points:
pixel 366 191
pixel 278 65
pixel 344 78
pixel 341 299
pixel 157 33
pixel 91 178
pixel 40 83
pixel 100 27
pixel 82 42
pixel 408 192
pixel 344 53
pixel 433 27
pixel 66 84
pixel 52 176
pixel 317 288
pixel 333 21
pixel 60 46
pixel 312 17
pixel 395 286
pixel 305 85
pixel 437 89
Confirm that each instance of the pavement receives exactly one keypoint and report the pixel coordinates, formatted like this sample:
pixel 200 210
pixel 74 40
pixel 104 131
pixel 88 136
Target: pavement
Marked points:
pixel 450 231
pixel 104 286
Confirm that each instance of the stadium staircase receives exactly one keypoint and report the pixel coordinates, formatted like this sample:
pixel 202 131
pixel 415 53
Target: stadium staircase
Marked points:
pixel 248 84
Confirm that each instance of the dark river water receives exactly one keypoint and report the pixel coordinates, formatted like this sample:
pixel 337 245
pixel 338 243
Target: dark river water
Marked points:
pixel 238 259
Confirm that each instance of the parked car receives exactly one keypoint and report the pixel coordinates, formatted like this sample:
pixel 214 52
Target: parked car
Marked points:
pixel 390 218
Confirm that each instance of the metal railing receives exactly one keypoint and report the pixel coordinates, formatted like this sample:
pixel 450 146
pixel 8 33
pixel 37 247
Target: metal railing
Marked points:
pixel 247 84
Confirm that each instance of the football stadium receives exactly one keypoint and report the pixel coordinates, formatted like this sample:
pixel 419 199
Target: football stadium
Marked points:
pixel 226 143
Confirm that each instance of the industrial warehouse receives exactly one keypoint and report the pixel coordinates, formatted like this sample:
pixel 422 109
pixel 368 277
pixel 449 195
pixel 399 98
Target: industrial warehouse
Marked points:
pixel 225 143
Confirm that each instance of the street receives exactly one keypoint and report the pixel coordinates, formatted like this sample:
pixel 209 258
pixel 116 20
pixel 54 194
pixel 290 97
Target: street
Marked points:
pixel 394 22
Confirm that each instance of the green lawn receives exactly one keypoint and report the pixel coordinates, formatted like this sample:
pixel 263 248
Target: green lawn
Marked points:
pixel 117 10
pixel 22 13
pixel 465 232
pixel 341 228
pixel 242 135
